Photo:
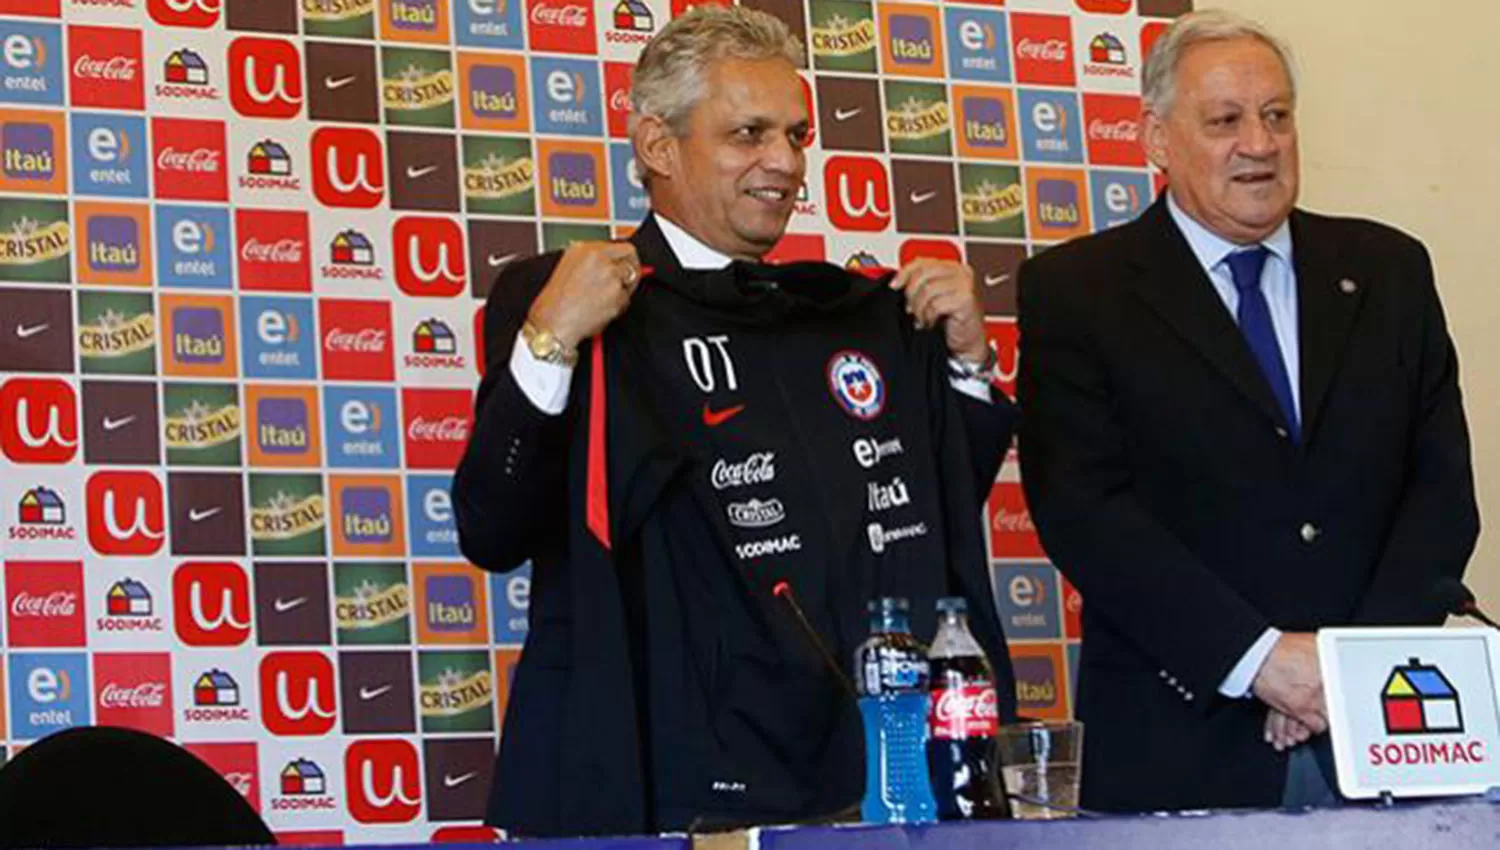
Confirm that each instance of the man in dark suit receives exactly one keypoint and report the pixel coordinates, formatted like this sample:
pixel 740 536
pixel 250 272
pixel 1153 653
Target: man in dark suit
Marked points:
pixel 670 431
pixel 1241 423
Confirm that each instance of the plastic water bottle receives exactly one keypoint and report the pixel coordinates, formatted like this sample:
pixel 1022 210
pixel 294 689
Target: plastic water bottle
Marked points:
pixel 893 679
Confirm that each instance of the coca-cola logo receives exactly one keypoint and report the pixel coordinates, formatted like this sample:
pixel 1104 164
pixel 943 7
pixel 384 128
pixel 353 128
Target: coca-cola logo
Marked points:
pixel 280 251
pixel 966 712
pixel 115 68
pixel 619 100
pixel 143 695
pixel 449 429
pixel 59 603
pixel 1012 521
pixel 759 468
pixel 365 341
pixel 197 160
pixel 563 16
pixel 1051 50
pixel 1123 130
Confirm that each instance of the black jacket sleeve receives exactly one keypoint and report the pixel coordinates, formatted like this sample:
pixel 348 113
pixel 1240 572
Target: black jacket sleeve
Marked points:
pixel 510 489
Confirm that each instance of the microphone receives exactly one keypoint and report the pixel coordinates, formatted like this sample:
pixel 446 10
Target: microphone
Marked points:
pixel 783 591
pixel 1451 596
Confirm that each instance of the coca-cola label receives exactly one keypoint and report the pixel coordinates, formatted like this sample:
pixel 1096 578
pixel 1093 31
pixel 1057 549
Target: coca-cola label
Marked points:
pixel 190 159
pixel 562 26
pixel 142 695
pixel 363 341
pixel 356 340
pixel 273 253
pixel 758 468
pixel 448 429
pixel 971 711
pixel 106 69
pixel 43 604
pixel 134 690
pixel 1043 49
pixel 55 604
pixel 438 423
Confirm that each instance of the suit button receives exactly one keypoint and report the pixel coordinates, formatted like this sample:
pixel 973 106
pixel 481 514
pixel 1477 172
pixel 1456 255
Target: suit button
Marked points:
pixel 1309 532
pixel 1188 696
pixel 1282 432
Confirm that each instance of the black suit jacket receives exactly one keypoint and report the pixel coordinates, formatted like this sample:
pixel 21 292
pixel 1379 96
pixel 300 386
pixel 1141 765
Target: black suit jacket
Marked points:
pixel 570 757
pixel 1164 485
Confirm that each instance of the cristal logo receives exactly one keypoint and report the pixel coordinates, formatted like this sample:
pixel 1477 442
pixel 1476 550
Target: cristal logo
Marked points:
pixel 212 602
pixel 59 603
pixel 115 68
pixel 430 257
pixel 195 161
pixel 450 429
pixel 1051 50
pixel 125 513
pixel 143 695
pixel 42 425
pixel 300 685
pixel 347 167
pixel 384 781
pixel 364 341
pixel 565 16
pixel 265 77
pixel 280 251
pixel 1124 130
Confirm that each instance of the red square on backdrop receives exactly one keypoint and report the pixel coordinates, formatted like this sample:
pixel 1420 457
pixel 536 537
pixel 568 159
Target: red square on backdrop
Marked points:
pixel 437 426
pixel 938 249
pixel 37 8
pixel 617 76
pixel 1112 128
pixel 198 14
pixel 1006 336
pixel 1043 49
pixel 44 603
pixel 134 690
pixel 1072 602
pixel 562 26
pixel 273 250
pixel 356 340
pixel 190 160
pixel 1012 534
pixel 237 763
pixel 799 247
pixel 106 68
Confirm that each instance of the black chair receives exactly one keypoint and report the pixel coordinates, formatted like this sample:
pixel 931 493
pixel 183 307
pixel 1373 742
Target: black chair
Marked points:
pixel 100 786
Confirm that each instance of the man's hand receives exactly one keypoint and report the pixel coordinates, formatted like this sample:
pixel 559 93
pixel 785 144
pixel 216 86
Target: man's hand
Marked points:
pixel 942 291
pixel 590 287
pixel 1291 683
pixel 1283 732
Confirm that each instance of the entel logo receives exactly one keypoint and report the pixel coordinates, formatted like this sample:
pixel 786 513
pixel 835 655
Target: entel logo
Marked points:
pixel 297 693
pixel 265 78
pixel 1026 591
pixel 38 420
pixel 348 168
pixel 858 194
pixel 198 14
pixel 125 513
pixel 384 782
pixel 212 604
pixel 429 256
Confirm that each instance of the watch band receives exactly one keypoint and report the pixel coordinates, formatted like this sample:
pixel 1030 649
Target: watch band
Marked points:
pixel 985 371
pixel 546 347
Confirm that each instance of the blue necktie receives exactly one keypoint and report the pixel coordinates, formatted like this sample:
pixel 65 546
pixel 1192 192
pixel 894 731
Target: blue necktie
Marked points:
pixel 1254 316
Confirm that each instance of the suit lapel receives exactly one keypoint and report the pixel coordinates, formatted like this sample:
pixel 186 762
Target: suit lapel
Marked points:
pixel 652 248
pixel 1174 285
pixel 1329 295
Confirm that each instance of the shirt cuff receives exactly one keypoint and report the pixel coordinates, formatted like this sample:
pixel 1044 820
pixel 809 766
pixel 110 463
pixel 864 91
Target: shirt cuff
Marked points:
pixel 1237 684
pixel 975 388
pixel 545 384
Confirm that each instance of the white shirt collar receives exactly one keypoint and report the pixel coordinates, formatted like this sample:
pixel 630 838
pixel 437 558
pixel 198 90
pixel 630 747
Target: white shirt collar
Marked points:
pixel 690 252
pixel 1211 249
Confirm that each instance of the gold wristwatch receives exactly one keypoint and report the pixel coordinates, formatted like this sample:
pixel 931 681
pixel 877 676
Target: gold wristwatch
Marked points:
pixel 546 347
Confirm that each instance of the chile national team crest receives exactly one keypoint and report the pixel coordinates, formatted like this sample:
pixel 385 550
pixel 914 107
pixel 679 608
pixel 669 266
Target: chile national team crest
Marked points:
pixel 856 384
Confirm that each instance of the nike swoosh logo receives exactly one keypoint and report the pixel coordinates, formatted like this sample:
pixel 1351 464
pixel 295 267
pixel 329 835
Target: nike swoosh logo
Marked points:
pixel 336 83
pixel 450 781
pixel 922 197
pixel 714 419
pixel 995 279
pixel 496 262
pixel 116 424
pixel 284 605
pixel 846 114
pixel 374 693
pixel 195 515
pixel 415 173
pixel 27 332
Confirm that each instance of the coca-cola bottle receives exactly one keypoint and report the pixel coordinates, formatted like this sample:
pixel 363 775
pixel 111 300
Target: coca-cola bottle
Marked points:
pixel 962 718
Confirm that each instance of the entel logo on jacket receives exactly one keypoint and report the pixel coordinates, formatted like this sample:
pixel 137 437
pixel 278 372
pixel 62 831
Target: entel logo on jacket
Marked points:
pixel 383 781
pixel 211 601
pixel 125 513
pixel 297 693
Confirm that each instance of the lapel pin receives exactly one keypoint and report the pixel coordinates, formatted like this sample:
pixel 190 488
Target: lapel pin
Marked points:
pixel 1348 286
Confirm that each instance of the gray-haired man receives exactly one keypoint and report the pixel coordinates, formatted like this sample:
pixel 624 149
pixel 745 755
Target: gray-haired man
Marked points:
pixel 670 431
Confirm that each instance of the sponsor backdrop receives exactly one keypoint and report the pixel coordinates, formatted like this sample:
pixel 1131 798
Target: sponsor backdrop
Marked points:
pixel 243 247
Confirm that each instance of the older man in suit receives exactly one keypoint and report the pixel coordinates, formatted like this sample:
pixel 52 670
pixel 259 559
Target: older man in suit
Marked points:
pixel 1242 423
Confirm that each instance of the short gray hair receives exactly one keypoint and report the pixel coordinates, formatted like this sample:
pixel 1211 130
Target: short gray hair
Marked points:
pixel 1159 77
pixel 672 71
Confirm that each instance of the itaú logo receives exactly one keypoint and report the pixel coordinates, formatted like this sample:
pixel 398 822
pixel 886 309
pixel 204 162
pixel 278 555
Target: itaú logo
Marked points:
pixel 125 515
pixel 383 780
